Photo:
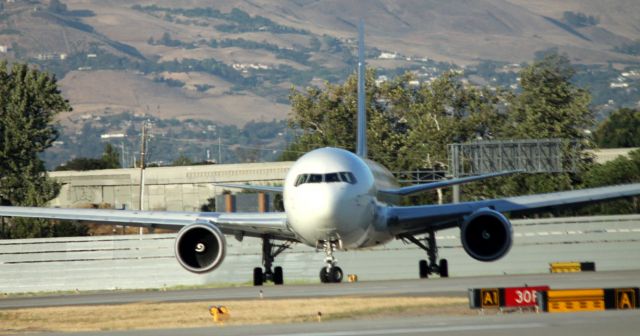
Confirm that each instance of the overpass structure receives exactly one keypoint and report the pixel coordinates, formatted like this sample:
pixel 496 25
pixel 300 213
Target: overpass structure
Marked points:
pixel 183 188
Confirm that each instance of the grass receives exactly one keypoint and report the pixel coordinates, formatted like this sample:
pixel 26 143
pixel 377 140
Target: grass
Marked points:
pixel 149 315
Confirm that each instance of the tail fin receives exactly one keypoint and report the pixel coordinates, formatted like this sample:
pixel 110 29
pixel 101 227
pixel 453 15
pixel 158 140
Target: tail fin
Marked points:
pixel 361 145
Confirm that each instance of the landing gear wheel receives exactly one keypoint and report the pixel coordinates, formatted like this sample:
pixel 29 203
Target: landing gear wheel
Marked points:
pixel 324 275
pixel 443 268
pixel 258 276
pixel 336 274
pixel 278 277
pixel 423 269
pixel 333 275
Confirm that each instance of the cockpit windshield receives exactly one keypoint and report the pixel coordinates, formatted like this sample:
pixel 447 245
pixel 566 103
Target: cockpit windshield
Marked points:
pixel 347 177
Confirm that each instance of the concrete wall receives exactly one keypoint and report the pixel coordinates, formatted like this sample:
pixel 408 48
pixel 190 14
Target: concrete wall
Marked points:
pixel 108 262
pixel 166 188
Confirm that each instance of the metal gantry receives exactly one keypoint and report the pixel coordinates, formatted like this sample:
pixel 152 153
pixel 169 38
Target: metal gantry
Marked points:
pixel 532 156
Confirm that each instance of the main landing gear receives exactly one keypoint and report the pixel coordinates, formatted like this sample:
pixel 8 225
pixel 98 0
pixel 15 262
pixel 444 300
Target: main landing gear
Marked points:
pixel 269 252
pixel 330 273
pixel 425 267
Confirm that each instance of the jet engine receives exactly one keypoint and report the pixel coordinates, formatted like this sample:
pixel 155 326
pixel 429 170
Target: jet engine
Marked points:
pixel 200 247
pixel 486 235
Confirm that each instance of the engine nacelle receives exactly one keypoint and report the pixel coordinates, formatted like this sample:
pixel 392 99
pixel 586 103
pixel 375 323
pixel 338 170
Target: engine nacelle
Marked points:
pixel 200 247
pixel 486 235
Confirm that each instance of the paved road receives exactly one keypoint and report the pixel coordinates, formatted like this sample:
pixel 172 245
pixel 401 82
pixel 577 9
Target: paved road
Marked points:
pixel 430 287
pixel 568 324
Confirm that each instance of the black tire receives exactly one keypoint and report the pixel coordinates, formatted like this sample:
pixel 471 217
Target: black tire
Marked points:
pixel 443 267
pixel 423 269
pixel 336 274
pixel 324 275
pixel 258 276
pixel 278 276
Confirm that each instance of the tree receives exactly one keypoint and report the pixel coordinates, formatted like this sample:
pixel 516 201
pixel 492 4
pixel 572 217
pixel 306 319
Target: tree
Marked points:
pixel 110 160
pixel 182 160
pixel 409 126
pixel 29 101
pixel 622 170
pixel 111 157
pixel 549 106
pixel 621 129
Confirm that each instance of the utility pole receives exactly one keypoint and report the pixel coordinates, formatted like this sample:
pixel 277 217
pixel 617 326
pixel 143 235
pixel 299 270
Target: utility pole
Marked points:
pixel 143 147
pixel 219 150
pixel 122 164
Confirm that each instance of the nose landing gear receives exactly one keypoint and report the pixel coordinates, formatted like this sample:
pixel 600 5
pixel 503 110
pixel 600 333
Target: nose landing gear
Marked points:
pixel 330 273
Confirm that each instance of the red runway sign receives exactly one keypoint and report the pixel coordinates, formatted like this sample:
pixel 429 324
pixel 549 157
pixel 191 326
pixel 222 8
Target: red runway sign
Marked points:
pixel 522 296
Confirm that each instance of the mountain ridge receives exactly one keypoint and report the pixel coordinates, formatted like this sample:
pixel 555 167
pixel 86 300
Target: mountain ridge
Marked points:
pixel 300 42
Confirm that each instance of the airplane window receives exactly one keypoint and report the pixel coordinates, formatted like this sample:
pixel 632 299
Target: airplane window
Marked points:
pixel 302 178
pixel 348 177
pixel 333 177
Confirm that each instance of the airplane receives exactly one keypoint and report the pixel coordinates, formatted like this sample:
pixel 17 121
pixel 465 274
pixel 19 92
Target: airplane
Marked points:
pixel 338 200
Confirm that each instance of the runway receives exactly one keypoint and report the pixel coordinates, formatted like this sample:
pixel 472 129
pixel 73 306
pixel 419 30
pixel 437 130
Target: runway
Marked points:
pixel 456 286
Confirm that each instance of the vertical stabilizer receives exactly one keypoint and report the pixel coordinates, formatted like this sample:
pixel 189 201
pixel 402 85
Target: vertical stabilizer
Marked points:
pixel 361 145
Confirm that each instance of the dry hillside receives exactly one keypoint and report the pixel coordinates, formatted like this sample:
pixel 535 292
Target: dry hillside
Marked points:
pixel 458 31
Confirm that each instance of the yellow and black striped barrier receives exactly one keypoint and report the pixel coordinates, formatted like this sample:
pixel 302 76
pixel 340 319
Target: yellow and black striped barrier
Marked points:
pixel 573 266
pixel 595 299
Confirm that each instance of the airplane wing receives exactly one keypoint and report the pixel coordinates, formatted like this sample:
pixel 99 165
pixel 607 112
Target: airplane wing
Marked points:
pixel 250 187
pixel 273 224
pixel 413 189
pixel 423 218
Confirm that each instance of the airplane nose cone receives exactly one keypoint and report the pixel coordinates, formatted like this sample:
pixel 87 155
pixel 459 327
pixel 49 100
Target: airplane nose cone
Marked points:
pixel 329 212
pixel 326 204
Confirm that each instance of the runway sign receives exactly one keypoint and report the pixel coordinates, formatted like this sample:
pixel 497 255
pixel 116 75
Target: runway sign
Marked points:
pixel 621 298
pixel 574 266
pixel 485 297
pixel 522 296
pixel 573 300
pixel 509 297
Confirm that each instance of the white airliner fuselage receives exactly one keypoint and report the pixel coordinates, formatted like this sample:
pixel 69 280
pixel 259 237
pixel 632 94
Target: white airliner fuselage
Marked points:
pixel 330 194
